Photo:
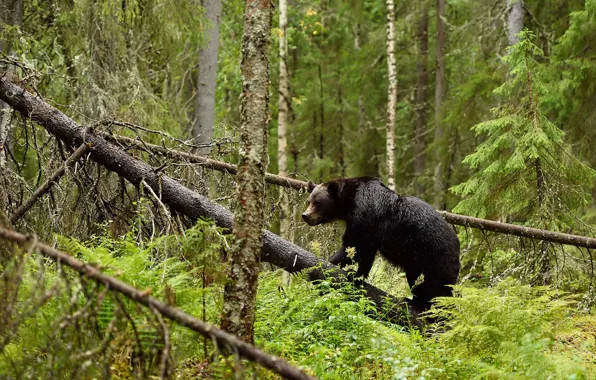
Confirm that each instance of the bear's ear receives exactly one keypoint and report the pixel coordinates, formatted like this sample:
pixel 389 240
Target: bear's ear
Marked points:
pixel 311 186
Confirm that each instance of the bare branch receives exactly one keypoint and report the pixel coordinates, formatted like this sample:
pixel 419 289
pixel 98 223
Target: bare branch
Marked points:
pixel 205 161
pixel 47 185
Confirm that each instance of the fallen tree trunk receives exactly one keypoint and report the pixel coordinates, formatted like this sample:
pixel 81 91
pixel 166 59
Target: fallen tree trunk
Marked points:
pixel 521 231
pixel 224 340
pixel 461 220
pixel 275 250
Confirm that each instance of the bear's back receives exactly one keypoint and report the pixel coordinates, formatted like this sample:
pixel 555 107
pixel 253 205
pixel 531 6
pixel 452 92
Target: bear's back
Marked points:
pixel 407 230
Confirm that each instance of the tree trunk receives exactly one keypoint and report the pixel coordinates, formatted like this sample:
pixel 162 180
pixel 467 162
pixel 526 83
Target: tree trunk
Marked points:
pixel 362 130
pixel 241 289
pixel 284 91
pixel 515 20
pixel 322 108
pixel 421 98
pixel 361 111
pixel 340 123
pixel 440 90
pixel 204 113
pixel 284 106
pixel 391 94
pixel 11 13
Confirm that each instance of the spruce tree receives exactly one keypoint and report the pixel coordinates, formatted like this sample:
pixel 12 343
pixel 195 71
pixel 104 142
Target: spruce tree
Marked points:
pixel 524 171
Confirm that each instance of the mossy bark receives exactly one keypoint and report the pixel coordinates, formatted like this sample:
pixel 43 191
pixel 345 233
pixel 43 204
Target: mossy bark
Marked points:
pixel 240 291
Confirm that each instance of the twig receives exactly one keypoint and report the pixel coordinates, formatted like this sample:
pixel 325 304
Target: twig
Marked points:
pixel 135 127
pixel 165 209
pixel 47 185
pixel 222 338
pixel 205 161
pixel 165 355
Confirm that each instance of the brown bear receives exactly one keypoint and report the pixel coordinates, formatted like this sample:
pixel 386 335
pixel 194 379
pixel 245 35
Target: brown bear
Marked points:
pixel 407 231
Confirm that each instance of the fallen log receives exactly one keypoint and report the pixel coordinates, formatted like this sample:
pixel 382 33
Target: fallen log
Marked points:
pixel 223 339
pixel 276 250
pixel 461 220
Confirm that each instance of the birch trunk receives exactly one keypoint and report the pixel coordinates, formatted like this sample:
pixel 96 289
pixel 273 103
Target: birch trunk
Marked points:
pixel 391 94
pixel 322 111
pixel 421 98
pixel 440 90
pixel 240 291
pixel 204 113
pixel 515 20
pixel 284 106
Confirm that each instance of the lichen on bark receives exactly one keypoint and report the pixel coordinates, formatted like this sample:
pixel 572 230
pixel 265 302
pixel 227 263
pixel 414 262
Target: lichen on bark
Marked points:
pixel 240 290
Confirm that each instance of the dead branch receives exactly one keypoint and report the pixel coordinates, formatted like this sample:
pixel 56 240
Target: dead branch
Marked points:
pixel 204 161
pixel 223 339
pixel 521 231
pixel 461 220
pixel 47 185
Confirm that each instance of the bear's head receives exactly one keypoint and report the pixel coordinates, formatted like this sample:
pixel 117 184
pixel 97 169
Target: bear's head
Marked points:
pixel 322 207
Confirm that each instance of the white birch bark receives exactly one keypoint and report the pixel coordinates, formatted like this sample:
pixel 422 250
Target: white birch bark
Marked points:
pixel 391 94
pixel 284 103
pixel 282 117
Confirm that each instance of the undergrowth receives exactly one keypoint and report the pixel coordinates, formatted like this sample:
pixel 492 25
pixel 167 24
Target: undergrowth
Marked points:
pixel 509 330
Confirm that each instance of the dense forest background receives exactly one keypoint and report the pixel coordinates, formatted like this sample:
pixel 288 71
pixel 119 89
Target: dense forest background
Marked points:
pixel 494 118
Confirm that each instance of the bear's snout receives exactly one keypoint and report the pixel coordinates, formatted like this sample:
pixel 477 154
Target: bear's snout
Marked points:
pixel 310 219
pixel 307 218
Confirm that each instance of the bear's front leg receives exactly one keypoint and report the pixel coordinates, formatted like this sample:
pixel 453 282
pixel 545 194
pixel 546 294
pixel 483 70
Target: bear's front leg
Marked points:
pixel 340 258
pixel 365 262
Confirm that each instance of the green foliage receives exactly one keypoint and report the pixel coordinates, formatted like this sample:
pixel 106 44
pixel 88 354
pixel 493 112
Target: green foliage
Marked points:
pixel 523 168
pixel 571 80
pixel 510 330
pixel 127 60
pixel 184 270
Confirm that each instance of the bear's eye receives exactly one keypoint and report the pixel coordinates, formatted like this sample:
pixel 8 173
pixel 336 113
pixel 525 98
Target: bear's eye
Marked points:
pixel 317 203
